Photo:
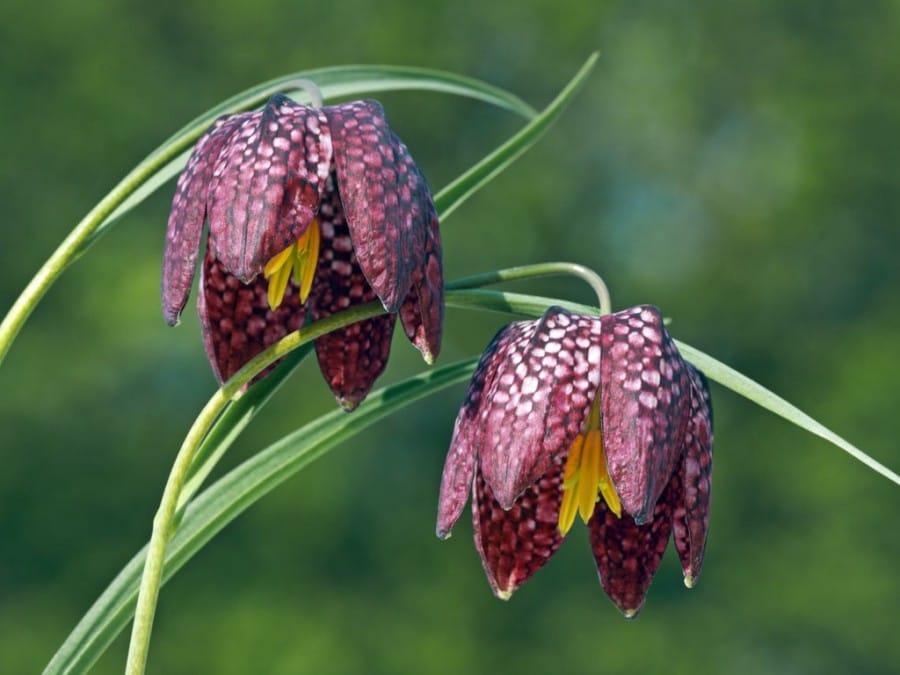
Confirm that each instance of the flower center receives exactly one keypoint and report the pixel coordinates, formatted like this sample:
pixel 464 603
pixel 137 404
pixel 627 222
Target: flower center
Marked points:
pixel 301 259
pixel 585 475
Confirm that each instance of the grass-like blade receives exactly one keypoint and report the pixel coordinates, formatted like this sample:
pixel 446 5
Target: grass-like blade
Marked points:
pixel 460 189
pixel 232 495
pixel 753 391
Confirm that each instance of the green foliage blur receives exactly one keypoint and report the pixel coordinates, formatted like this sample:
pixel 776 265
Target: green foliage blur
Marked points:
pixel 734 163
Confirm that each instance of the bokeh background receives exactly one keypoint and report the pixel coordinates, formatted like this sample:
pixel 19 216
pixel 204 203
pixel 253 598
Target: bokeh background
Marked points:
pixel 734 163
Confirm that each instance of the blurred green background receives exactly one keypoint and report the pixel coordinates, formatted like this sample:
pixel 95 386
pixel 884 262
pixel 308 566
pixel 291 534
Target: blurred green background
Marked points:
pixel 734 163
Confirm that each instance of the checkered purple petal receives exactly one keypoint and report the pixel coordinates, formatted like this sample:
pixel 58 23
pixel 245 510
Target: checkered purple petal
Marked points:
pixel 536 401
pixel 628 554
pixel 645 391
pixel 266 186
pixel 350 358
pixel 386 200
pixel 692 513
pixel 236 320
pixel 459 467
pixel 516 543
pixel 188 214
pixel 422 313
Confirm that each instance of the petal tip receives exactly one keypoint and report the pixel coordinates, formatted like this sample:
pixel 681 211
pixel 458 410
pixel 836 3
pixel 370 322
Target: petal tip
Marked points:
pixel 503 594
pixel 171 311
pixel 641 517
pixel 631 614
pixel 391 305
pixel 428 357
pixel 443 534
pixel 689 581
pixel 348 403
pixel 505 498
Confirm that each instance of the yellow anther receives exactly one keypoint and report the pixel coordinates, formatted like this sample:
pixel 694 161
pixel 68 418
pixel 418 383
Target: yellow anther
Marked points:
pixel 298 260
pixel 585 475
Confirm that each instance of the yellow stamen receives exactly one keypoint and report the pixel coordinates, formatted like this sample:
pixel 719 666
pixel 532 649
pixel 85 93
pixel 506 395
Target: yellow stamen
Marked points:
pixel 585 475
pixel 570 480
pixel 307 259
pixel 298 260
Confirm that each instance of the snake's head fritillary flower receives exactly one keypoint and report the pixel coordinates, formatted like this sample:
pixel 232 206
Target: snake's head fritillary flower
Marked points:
pixel 310 211
pixel 597 417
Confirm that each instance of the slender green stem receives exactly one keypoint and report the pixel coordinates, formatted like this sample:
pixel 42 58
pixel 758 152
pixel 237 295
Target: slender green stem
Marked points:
pixel 68 252
pixel 540 270
pixel 234 420
pixel 165 516
pixel 312 89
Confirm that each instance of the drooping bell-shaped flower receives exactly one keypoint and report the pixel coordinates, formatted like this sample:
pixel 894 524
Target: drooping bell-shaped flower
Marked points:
pixel 310 211
pixel 597 417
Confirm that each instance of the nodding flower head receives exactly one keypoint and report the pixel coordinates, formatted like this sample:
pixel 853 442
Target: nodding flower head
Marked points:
pixel 597 417
pixel 310 211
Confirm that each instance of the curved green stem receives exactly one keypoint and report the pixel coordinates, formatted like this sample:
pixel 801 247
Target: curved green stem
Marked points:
pixel 312 90
pixel 165 515
pixel 234 420
pixel 231 495
pixel 174 497
pixel 541 270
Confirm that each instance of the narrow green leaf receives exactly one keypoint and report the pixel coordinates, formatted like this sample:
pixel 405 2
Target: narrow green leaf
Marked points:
pixel 758 394
pixel 232 495
pixel 483 172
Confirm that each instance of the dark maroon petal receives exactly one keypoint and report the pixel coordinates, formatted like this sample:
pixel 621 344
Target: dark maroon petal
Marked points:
pixel 543 379
pixel 459 467
pixel 236 320
pixel 422 313
pixel 515 543
pixel 267 184
pixel 350 358
pixel 386 199
pixel 692 513
pixel 187 216
pixel 645 398
pixel 628 554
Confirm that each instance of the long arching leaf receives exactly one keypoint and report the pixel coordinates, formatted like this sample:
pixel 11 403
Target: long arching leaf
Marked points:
pixel 231 496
